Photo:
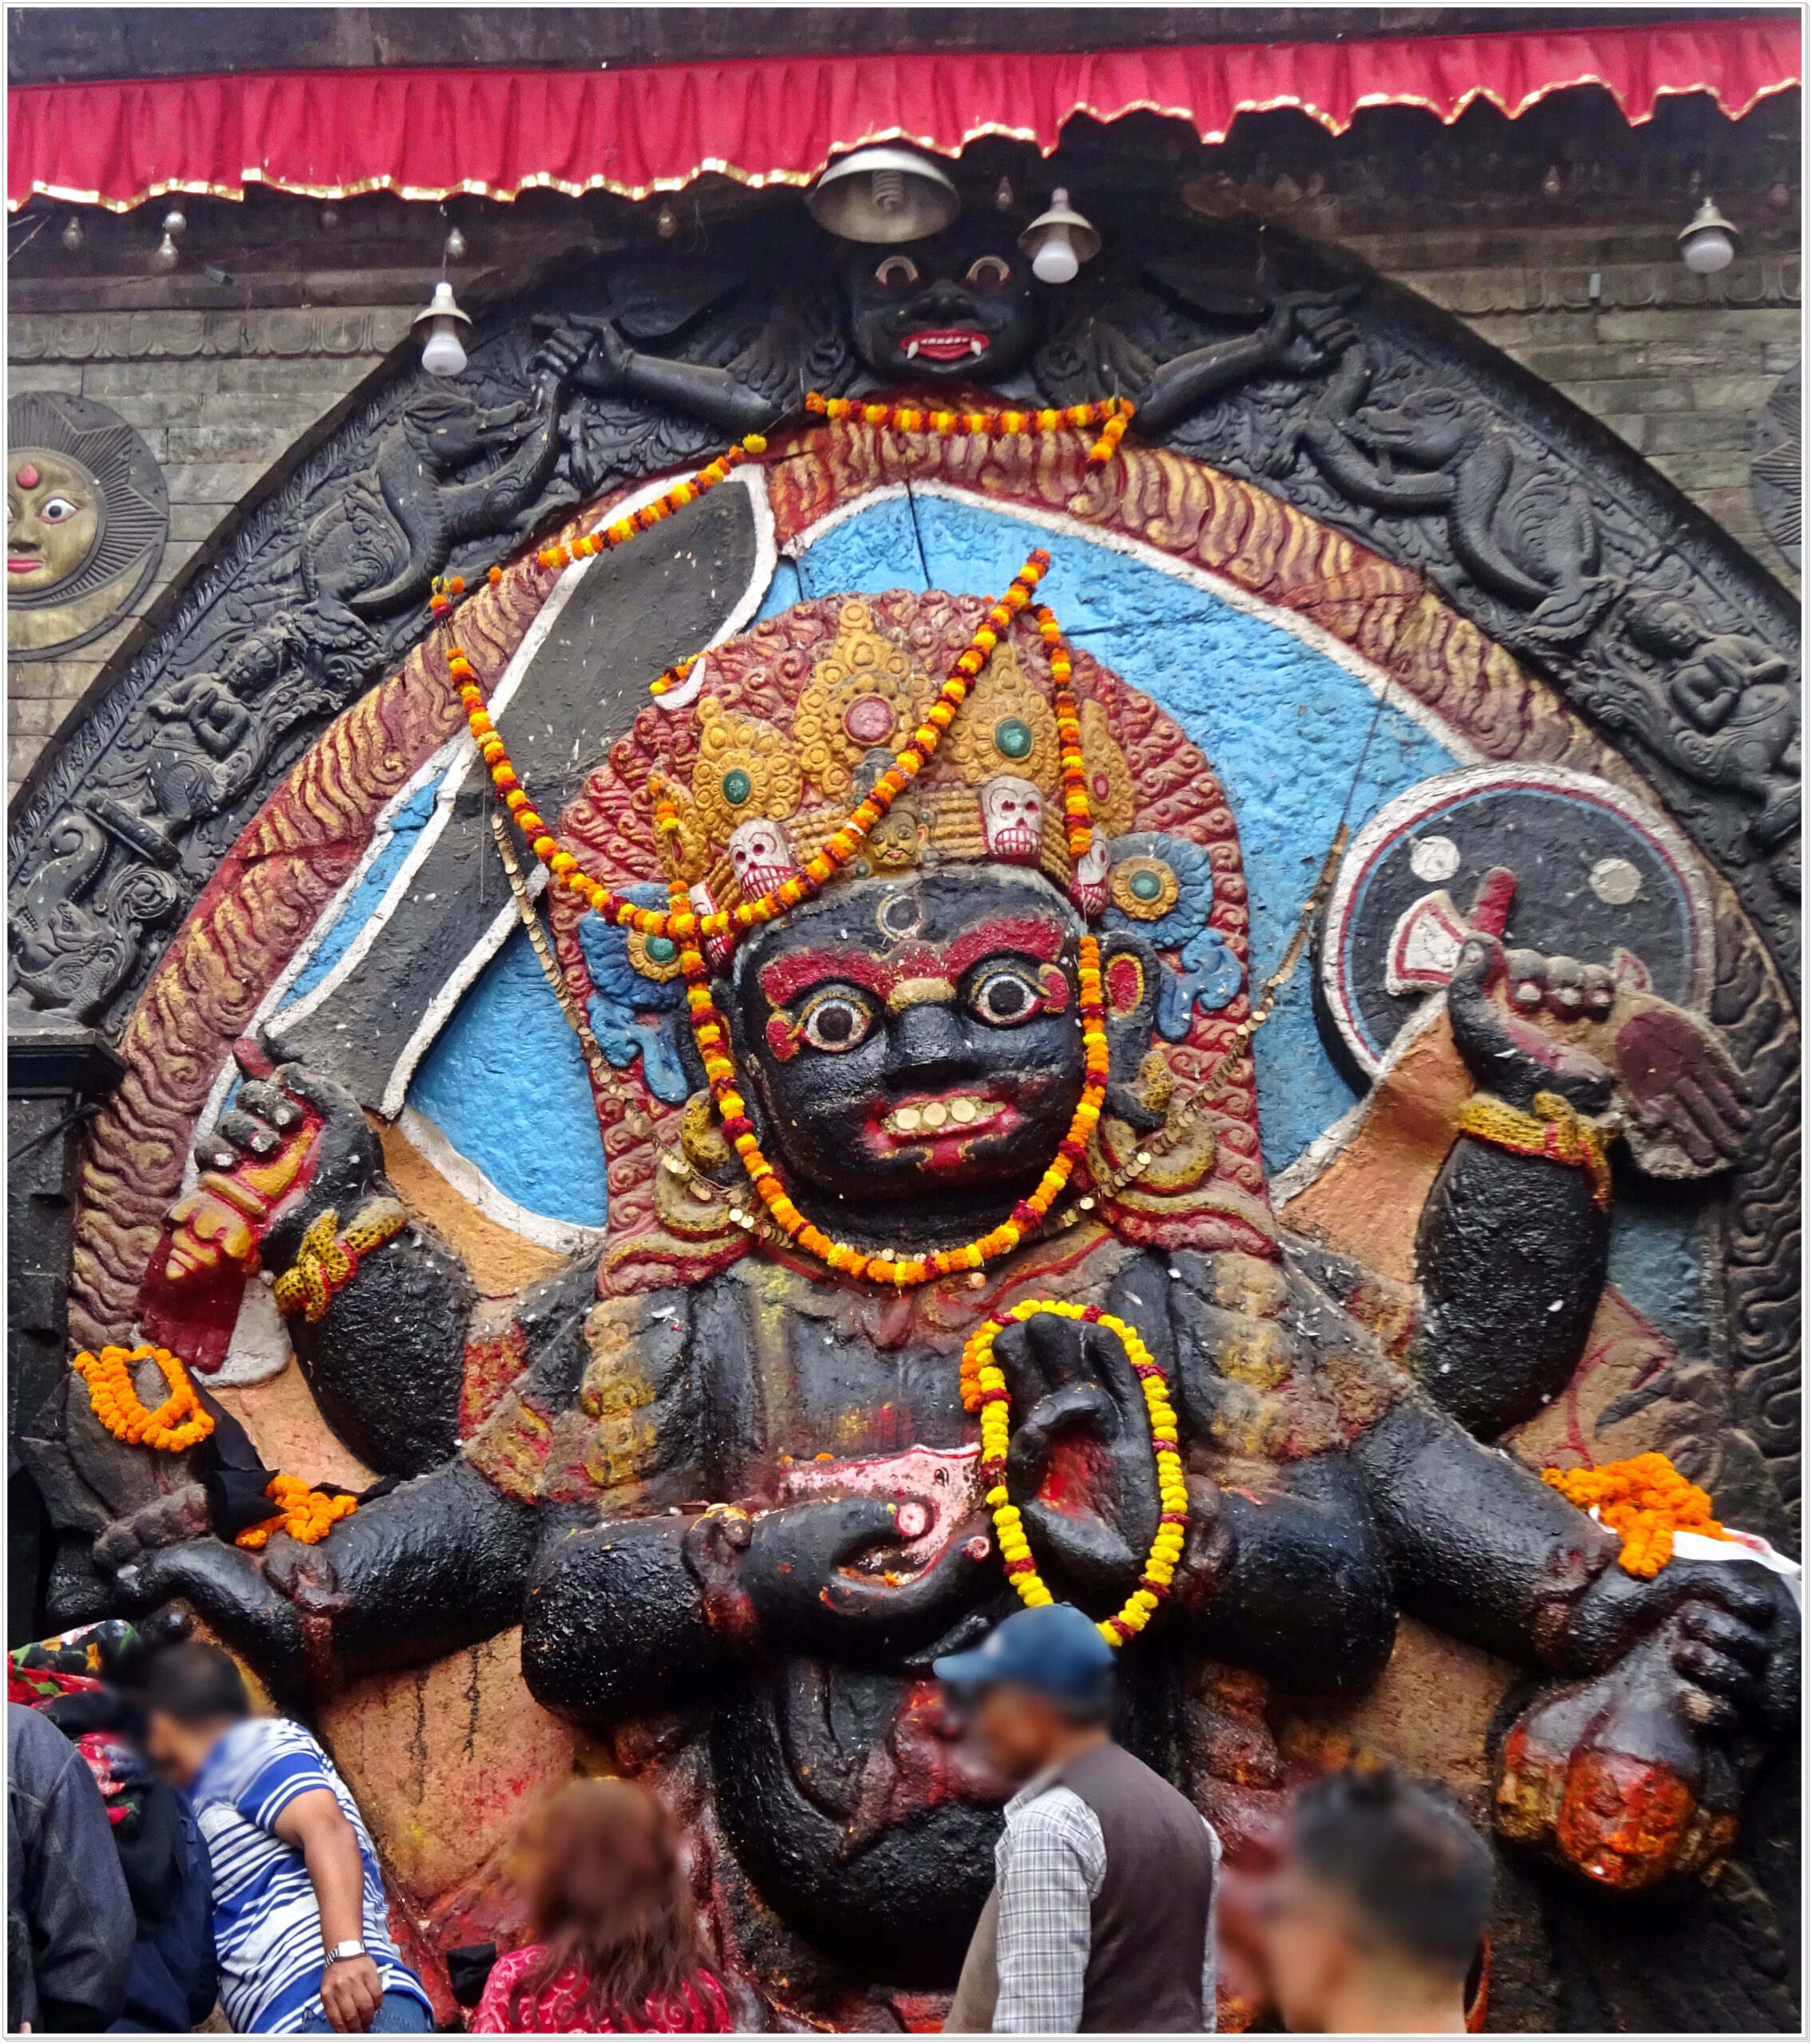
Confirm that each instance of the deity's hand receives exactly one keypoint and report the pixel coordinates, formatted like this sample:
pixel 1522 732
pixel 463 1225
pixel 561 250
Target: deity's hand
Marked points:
pixel 1513 1014
pixel 1635 1776
pixel 591 353
pixel 1080 1466
pixel 235 1595
pixel 565 352
pixel 292 1145
pixel 1683 1090
pixel 828 1576
pixel 1308 329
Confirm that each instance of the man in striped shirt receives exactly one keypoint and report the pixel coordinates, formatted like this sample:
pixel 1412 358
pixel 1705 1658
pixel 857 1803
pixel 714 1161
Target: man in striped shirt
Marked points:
pixel 299 1922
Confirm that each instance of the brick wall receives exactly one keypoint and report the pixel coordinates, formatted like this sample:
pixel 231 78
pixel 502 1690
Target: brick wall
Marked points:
pixel 218 398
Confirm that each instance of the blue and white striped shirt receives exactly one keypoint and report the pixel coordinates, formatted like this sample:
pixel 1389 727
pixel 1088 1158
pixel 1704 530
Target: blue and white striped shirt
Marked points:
pixel 266 1924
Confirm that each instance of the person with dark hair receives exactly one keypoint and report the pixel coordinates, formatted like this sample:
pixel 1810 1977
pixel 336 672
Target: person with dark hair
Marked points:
pixel 1379 1910
pixel 299 1920
pixel 617 1946
pixel 83 1683
pixel 68 1917
pixel 1102 1913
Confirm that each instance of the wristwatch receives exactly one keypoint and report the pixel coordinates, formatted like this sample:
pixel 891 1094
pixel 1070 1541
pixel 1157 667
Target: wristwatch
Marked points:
pixel 347 1948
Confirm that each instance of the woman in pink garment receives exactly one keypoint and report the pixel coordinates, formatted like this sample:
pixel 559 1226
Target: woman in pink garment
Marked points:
pixel 616 1944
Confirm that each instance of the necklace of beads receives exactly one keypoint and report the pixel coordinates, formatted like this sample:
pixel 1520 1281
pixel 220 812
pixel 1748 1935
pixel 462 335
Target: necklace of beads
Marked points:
pixel 984 1392
pixel 177 1423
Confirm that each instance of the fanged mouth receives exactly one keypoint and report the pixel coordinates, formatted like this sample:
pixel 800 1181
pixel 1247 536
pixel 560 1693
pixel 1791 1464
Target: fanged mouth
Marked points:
pixel 956 344
pixel 941 1118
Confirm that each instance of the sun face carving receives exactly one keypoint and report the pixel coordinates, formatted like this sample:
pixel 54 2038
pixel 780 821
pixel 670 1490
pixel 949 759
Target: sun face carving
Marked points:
pixel 54 512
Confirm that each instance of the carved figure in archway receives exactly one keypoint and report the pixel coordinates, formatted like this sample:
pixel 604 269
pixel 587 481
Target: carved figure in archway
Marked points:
pixel 962 309
pixel 731 1497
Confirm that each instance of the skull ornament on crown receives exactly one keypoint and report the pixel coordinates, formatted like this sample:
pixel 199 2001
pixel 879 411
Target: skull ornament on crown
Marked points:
pixel 760 857
pixel 1012 819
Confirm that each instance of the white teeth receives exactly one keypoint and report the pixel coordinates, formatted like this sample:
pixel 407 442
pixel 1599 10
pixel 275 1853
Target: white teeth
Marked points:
pixel 934 1115
pixel 977 346
pixel 911 350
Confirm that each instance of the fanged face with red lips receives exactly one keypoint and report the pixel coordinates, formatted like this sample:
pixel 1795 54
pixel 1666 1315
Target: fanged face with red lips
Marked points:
pixel 915 1044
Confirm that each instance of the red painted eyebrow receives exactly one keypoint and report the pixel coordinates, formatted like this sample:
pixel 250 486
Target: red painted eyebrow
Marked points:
pixel 1037 936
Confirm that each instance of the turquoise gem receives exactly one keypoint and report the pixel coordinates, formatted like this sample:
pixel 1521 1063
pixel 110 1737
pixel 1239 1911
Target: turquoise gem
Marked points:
pixel 662 950
pixel 1144 887
pixel 738 787
pixel 1012 737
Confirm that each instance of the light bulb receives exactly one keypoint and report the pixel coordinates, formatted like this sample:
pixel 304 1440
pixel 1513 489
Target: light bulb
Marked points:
pixel 72 237
pixel 1707 242
pixel 166 255
pixel 1055 262
pixel 443 355
pixel 455 248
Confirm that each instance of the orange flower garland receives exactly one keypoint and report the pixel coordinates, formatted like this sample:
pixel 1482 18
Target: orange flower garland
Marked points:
pixel 605 539
pixel 712 1036
pixel 1646 1499
pixel 1114 415
pixel 683 923
pixel 306 1515
pixel 984 1390
pixel 179 1423
pixel 1078 821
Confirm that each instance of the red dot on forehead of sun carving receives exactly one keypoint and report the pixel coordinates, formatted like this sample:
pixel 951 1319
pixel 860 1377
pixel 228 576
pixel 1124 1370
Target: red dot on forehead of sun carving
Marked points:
pixel 28 476
pixel 868 719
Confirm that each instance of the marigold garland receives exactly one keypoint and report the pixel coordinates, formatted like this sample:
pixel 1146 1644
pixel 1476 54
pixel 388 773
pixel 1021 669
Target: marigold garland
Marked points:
pixel 681 922
pixel 179 1423
pixel 305 1514
pixel 1646 1499
pixel 712 1036
pixel 1114 415
pixel 984 1390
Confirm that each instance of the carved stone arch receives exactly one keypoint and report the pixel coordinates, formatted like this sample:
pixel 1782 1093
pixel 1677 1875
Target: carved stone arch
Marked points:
pixel 1377 415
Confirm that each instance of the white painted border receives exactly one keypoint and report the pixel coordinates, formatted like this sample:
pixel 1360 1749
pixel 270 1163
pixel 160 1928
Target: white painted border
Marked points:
pixel 567 1237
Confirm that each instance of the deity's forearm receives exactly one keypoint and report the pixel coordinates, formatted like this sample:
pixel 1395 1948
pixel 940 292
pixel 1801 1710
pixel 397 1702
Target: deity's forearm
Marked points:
pixel 1478 1545
pixel 1294 1584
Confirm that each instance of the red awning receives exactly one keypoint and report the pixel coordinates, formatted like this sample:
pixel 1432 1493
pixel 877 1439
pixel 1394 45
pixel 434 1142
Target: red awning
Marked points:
pixel 426 134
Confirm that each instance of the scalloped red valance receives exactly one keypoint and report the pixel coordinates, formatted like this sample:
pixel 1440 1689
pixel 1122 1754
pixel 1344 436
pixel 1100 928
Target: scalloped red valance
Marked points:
pixel 426 134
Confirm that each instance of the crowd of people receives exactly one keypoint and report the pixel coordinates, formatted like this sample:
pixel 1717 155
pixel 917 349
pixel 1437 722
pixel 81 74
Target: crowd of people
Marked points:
pixel 176 1861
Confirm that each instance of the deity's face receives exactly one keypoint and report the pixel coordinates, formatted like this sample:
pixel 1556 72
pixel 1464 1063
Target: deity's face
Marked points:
pixel 53 519
pixel 957 307
pixel 914 1039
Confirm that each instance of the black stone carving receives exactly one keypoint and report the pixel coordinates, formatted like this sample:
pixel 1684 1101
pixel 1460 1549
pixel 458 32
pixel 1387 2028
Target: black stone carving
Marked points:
pixel 1284 365
pixel 1776 476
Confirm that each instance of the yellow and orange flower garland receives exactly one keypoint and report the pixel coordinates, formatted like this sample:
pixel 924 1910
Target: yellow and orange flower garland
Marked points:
pixel 984 1391
pixel 1646 1499
pixel 1113 415
pixel 306 1515
pixel 179 1423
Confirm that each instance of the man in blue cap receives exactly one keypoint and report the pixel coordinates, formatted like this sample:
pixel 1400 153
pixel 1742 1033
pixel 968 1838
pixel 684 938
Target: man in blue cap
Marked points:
pixel 1102 1914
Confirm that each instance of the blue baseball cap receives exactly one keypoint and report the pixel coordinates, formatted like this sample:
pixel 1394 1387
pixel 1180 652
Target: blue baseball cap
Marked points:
pixel 1054 1649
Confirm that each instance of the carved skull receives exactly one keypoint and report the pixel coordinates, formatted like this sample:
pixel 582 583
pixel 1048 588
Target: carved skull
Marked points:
pixel 718 950
pixel 1012 819
pixel 760 857
pixel 1088 885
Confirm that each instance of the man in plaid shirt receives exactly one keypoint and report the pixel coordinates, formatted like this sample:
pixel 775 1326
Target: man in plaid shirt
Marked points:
pixel 1102 1914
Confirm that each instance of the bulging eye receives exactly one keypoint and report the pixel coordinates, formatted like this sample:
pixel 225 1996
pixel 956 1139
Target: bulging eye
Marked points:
pixel 990 273
pixel 896 273
pixel 55 509
pixel 1005 997
pixel 837 1022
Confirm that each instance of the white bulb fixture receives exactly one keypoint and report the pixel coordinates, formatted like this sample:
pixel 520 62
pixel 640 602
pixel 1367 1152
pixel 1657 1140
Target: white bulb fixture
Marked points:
pixel 883 194
pixel 443 353
pixel 1059 241
pixel 1708 241
pixel 455 247
pixel 72 237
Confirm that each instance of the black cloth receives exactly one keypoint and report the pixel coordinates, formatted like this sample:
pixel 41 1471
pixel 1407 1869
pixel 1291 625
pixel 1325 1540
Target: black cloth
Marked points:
pixel 173 1977
pixel 69 1914
pixel 1148 1929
